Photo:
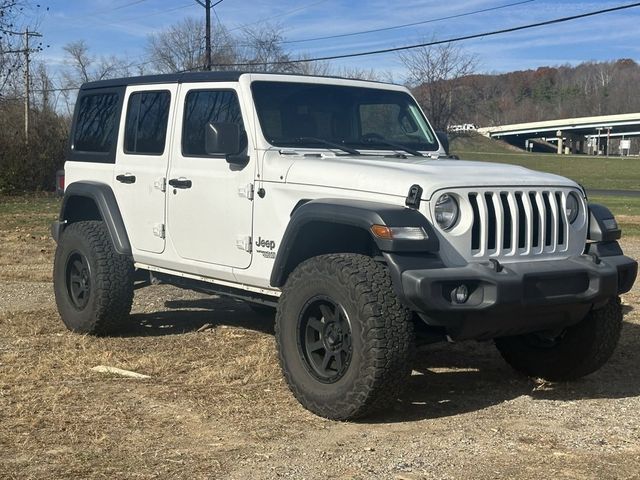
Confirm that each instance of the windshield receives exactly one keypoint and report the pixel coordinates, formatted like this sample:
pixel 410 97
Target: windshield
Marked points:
pixel 311 115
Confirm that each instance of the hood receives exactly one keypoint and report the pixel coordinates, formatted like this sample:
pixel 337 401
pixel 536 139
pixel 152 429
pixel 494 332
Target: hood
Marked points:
pixel 394 176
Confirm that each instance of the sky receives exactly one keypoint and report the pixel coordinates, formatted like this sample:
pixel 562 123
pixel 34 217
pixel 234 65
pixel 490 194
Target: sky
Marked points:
pixel 122 27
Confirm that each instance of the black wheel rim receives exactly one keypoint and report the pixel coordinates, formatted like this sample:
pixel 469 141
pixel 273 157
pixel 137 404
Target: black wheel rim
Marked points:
pixel 78 279
pixel 324 333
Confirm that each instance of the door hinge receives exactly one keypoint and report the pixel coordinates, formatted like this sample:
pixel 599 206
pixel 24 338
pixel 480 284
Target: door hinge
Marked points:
pixel 159 230
pixel 161 184
pixel 244 243
pixel 246 191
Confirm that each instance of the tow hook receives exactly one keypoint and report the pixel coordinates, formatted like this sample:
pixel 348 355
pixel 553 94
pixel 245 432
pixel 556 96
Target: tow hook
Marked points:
pixel 495 264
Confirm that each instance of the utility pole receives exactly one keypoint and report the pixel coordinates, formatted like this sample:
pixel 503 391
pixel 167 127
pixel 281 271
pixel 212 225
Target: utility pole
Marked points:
pixel 207 54
pixel 207 42
pixel 27 80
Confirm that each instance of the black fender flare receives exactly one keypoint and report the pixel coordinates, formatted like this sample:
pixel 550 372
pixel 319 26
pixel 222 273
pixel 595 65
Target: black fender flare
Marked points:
pixel 355 213
pixel 599 231
pixel 105 200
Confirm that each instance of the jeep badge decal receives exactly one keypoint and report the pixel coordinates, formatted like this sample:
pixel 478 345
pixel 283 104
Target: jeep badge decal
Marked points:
pixel 262 243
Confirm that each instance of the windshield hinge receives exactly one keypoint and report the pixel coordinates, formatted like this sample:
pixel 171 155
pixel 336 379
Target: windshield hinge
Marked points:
pixel 246 191
pixel 160 184
pixel 413 197
pixel 244 243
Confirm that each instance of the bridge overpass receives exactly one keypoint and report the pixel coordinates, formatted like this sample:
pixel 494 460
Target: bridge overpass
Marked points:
pixel 572 135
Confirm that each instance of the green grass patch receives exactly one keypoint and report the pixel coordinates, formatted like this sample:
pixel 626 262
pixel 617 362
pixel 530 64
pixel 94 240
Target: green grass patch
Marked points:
pixel 29 213
pixel 25 204
pixel 619 205
pixel 613 173
pixel 630 229
pixel 473 142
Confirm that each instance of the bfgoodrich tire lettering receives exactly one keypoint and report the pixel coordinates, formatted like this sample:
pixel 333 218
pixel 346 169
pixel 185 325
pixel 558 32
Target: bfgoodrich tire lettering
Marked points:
pixel 93 283
pixel 374 366
pixel 577 351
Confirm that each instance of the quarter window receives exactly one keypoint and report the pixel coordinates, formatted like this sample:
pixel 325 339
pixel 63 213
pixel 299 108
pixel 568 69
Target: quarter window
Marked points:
pixel 146 124
pixel 97 123
pixel 203 107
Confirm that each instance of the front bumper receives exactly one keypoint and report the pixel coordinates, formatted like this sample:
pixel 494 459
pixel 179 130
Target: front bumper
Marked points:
pixel 513 298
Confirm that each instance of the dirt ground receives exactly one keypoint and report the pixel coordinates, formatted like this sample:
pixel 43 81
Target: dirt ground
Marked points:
pixel 215 405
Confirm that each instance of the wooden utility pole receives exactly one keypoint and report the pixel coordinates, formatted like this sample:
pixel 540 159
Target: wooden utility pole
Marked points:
pixel 27 80
pixel 207 39
pixel 207 47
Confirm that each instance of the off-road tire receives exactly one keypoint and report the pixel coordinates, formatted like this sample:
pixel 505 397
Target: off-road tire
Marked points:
pixel 580 350
pixel 110 276
pixel 381 336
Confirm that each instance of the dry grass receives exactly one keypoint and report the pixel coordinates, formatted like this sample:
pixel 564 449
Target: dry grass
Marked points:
pixel 217 407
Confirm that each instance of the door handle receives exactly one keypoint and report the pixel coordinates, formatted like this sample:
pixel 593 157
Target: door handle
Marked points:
pixel 127 178
pixel 180 183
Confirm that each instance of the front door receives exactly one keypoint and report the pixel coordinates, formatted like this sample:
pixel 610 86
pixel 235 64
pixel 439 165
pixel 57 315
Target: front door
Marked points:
pixel 141 164
pixel 210 203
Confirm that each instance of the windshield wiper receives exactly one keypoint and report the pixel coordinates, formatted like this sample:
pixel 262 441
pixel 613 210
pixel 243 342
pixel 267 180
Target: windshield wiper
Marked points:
pixel 398 146
pixel 329 143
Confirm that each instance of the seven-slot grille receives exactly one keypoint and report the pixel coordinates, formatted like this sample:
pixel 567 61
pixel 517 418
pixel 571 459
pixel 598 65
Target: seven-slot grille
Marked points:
pixel 518 222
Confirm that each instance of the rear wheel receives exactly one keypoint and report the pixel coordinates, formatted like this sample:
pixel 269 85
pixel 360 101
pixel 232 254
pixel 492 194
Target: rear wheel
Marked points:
pixel 344 339
pixel 568 354
pixel 93 283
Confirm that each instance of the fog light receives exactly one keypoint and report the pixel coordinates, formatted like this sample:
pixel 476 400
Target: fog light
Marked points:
pixel 461 294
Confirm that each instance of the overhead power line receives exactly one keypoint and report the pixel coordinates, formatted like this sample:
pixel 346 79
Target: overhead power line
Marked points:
pixel 10 32
pixel 125 5
pixel 413 24
pixel 436 42
pixel 278 15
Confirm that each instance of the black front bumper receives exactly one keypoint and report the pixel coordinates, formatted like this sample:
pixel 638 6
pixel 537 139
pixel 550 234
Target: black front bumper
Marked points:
pixel 513 298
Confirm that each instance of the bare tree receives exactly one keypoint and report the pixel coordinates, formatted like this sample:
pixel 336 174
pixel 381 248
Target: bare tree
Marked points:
pixel 435 74
pixel 181 47
pixel 313 68
pixel 82 67
pixel 262 49
pixel 359 73
pixel 10 43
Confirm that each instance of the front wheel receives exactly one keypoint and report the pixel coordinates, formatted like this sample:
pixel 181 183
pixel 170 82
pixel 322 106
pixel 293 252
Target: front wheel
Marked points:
pixel 570 354
pixel 343 337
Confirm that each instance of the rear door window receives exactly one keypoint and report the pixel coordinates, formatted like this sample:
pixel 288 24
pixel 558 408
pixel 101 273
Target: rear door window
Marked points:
pixel 146 123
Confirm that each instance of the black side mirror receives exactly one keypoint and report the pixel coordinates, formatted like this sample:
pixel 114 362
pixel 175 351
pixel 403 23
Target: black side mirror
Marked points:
pixel 444 141
pixel 224 139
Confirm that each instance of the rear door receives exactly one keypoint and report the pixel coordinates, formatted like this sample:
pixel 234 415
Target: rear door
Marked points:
pixel 141 163
pixel 210 210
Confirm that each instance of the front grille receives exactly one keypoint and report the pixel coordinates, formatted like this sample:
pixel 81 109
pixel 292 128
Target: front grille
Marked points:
pixel 518 222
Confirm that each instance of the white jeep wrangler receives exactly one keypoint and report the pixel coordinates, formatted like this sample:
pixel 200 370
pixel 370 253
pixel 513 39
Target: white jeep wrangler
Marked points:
pixel 334 202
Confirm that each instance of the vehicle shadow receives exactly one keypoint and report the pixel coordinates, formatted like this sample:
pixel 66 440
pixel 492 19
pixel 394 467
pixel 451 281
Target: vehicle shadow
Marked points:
pixel 447 379
pixel 191 315
pixel 454 379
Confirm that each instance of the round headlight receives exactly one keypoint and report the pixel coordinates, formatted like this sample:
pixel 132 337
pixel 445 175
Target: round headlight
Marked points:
pixel 447 211
pixel 572 208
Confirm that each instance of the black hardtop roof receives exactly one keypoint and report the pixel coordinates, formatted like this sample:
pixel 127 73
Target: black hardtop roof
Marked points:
pixel 230 76
pixel 226 76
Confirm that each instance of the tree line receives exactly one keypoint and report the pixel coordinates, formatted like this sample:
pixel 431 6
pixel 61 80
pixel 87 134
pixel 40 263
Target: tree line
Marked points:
pixel 547 93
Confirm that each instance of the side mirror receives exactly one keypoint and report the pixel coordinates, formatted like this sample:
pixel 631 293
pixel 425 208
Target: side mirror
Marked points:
pixel 444 141
pixel 224 139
